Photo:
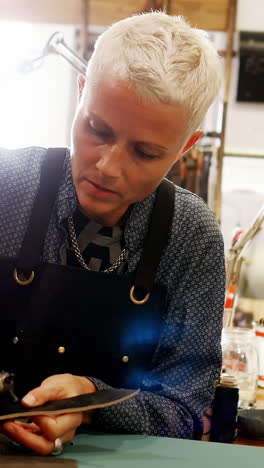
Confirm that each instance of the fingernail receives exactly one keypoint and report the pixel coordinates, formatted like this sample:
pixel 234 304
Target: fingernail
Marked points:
pixel 30 400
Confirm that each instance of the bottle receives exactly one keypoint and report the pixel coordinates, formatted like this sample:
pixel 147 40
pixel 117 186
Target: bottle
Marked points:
pixel 260 351
pixel 225 405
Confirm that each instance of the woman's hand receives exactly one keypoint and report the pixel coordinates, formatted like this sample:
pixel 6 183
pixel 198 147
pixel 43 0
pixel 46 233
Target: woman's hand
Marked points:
pixel 40 435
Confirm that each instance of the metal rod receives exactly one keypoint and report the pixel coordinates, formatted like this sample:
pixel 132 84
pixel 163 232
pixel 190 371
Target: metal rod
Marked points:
pixel 229 53
pixel 234 254
pixel 167 6
pixel 57 45
pixel 243 155
pixel 84 29
pixel 252 45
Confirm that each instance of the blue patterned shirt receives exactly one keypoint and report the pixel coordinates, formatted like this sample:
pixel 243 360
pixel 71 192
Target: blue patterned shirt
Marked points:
pixel 187 360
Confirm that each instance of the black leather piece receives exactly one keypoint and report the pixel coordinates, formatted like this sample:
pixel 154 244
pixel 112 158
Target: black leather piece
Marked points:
pixel 99 399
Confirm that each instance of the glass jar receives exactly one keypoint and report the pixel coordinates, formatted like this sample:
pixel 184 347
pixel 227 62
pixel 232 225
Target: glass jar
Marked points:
pixel 240 359
pixel 260 351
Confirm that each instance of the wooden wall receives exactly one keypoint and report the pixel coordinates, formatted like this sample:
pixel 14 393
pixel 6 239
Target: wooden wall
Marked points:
pixel 205 14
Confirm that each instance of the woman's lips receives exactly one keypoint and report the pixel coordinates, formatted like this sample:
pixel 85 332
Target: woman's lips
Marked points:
pixel 99 190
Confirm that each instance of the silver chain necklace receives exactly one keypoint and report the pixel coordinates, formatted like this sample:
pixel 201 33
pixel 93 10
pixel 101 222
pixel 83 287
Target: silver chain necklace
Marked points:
pixel 79 256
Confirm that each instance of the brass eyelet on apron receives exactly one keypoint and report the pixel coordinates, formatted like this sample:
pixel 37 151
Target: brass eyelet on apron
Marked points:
pixel 26 282
pixel 133 299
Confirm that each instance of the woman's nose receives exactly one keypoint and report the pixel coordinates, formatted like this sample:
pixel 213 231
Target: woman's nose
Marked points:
pixel 111 160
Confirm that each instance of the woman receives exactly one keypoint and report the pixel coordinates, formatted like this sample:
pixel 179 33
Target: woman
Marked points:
pixel 111 275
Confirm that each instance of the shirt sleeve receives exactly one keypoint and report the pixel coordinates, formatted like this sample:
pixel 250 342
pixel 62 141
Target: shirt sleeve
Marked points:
pixel 187 361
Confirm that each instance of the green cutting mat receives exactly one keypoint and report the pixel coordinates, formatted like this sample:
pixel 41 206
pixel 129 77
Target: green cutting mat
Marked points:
pixel 133 451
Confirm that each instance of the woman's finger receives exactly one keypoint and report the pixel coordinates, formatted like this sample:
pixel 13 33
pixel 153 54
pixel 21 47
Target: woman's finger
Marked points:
pixel 30 426
pixel 36 442
pixel 57 387
pixel 53 427
pixel 22 433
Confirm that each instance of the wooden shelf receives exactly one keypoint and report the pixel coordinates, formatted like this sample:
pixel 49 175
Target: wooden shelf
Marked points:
pixel 204 14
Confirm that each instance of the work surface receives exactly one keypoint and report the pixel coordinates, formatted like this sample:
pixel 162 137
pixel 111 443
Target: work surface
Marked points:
pixel 130 451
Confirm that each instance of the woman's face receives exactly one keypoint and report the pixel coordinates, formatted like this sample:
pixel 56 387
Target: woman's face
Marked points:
pixel 122 147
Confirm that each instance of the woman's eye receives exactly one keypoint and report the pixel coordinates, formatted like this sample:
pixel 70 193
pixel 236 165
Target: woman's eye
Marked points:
pixel 145 155
pixel 97 131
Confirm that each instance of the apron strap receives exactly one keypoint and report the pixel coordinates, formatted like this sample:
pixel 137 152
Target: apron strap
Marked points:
pixel 156 240
pixel 50 176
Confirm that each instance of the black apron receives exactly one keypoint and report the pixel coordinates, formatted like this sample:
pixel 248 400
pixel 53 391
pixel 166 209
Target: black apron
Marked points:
pixel 71 320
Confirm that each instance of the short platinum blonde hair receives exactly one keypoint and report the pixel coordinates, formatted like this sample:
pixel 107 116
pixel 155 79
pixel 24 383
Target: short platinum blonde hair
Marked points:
pixel 164 58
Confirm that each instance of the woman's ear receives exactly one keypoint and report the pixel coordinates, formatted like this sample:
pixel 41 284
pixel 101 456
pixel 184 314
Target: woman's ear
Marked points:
pixel 81 84
pixel 194 138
